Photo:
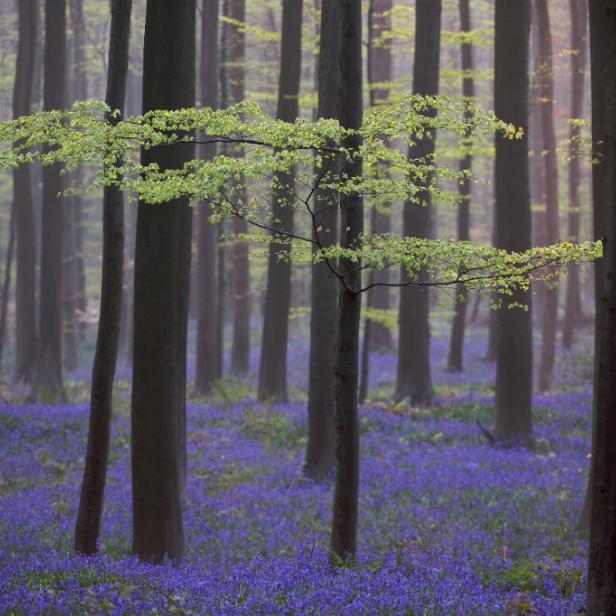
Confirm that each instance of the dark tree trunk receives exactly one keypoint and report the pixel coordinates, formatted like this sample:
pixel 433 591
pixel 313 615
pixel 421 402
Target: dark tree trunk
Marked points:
pixel 579 31
pixel 162 281
pixel 6 286
pixel 346 491
pixel 25 285
pixel 320 456
pixel 273 366
pixel 208 368
pixel 550 161
pixel 87 530
pixel 414 377
pixel 48 385
pixel 514 361
pixel 455 359
pixel 240 346
pixel 602 558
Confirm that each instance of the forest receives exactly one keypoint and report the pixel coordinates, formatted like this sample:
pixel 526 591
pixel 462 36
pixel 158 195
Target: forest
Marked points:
pixel 308 307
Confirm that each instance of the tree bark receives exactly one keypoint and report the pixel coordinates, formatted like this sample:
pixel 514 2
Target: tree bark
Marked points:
pixel 23 207
pixel 6 286
pixel 273 365
pixel 514 361
pixel 414 377
pixel 91 499
pixel 162 280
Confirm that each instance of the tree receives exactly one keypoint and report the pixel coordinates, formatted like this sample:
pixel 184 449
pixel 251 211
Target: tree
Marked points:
pixel 514 361
pixel 48 384
pixel 550 160
pixel 579 29
pixel 162 279
pixel 414 377
pixel 209 365
pixel 25 285
pixel 455 359
pixel 87 529
pixel 320 457
pixel 273 365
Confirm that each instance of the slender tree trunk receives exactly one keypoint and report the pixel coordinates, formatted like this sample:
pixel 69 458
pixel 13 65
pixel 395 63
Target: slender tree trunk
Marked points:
pixel 514 361
pixel 455 359
pixel 90 512
pixel 208 369
pixel 6 286
pixel 346 490
pixel 414 377
pixel 320 457
pixel 550 308
pixel 273 365
pixel 162 281
pixel 25 285
pixel 579 31
pixel 48 385
pixel 240 347
pixel 602 557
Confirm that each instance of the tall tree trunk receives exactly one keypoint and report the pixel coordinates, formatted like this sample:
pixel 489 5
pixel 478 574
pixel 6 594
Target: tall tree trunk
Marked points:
pixel 346 490
pixel 91 499
pixel 602 557
pixel 48 385
pixel 273 365
pixel 6 286
pixel 320 456
pixel 550 307
pixel 514 361
pixel 208 369
pixel 579 31
pixel 25 285
pixel 414 377
pixel 240 346
pixel 455 359
pixel 162 280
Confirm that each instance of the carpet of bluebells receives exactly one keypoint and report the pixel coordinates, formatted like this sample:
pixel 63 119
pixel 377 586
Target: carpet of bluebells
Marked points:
pixel 448 523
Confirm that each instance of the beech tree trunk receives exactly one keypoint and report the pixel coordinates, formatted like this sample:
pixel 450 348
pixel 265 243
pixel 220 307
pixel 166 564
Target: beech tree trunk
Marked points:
pixel 414 376
pixel 208 366
pixel 23 207
pixel 346 490
pixel 91 499
pixel 455 358
pixel 162 282
pixel 273 365
pixel 6 286
pixel 320 456
pixel 514 361
pixel 550 161
pixel 49 386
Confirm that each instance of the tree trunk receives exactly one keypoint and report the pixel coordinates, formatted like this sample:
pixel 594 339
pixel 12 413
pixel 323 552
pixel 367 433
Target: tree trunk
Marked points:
pixel 579 31
pixel 550 307
pixel 455 359
pixel 320 456
pixel 273 365
pixel 208 369
pixel 346 490
pixel 6 286
pixel 25 284
pixel 162 280
pixel 48 385
pixel 514 361
pixel 90 512
pixel 414 377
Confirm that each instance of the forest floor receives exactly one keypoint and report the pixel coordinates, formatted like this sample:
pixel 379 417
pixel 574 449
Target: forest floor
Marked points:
pixel 448 524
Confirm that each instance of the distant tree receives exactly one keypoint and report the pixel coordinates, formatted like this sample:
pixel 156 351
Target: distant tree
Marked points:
pixel 455 358
pixel 23 207
pixel 414 377
pixel 209 367
pixel 87 529
pixel 162 280
pixel 273 365
pixel 514 362
pixel 48 384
